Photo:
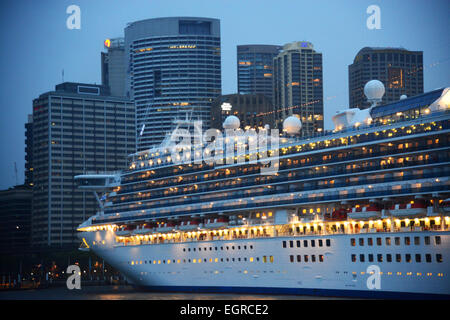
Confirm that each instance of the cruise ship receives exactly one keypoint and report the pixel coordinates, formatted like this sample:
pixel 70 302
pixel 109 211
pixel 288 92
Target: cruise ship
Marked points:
pixel 359 211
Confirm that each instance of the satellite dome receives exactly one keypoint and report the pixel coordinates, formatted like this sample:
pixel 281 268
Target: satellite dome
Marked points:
pixel 374 90
pixel 403 96
pixel 292 125
pixel 231 122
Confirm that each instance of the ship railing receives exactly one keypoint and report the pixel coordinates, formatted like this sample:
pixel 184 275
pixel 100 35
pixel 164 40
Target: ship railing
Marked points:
pixel 287 233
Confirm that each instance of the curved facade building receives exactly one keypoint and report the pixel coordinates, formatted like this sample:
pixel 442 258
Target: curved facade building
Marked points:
pixel 174 69
pixel 400 70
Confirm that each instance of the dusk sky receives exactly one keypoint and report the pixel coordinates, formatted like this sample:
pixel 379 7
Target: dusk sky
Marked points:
pixel 37 45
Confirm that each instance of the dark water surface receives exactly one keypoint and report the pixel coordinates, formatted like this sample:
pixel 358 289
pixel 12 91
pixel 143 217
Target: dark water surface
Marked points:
pixel 130 293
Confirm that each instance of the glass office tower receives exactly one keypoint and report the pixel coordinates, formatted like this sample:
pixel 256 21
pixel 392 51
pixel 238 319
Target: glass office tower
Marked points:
pixel 255 68
pixel 174 71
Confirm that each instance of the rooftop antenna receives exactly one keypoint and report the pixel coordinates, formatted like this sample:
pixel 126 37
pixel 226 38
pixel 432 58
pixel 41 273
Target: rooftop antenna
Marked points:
pixel 15 170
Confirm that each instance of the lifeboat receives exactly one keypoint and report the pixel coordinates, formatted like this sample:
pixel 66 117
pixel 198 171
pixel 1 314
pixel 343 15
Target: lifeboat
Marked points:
pixel 216 222
pixel 337 215
pixel 369 212
pixel 189 225
pixel 446 205
pixel 125 230
pixel 165 227
pixel 143 229
pixel 417 208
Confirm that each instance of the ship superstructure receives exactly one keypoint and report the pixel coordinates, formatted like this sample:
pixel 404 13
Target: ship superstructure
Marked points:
pixel 361 210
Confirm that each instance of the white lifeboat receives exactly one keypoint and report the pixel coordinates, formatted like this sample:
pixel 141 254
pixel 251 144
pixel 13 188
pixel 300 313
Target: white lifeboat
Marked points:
pixel 189 225
pixel 417 208
pixel 165 227
pixel 369 212
pixel 216 223
pixel 446 205
pixel 125 231
pixel 144 229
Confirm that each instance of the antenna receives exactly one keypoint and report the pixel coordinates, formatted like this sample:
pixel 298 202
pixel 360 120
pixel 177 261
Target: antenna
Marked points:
pixel 62 75
pixel 15 170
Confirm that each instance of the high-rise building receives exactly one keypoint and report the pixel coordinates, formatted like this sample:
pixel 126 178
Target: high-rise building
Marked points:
pixel 77 128
pixel 173 70
pixel 400 70
pixel 15 211
pixel 253 110
pixel 113 66
pixel 255 68
pixel 29 151
pixel 298 86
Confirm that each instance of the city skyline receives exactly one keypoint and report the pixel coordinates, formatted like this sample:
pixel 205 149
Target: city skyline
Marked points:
pixel 31 66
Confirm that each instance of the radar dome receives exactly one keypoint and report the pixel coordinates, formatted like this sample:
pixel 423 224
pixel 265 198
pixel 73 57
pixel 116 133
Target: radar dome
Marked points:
pixel 231 122
pixel 374 90
pixel 292 125
pixel 403 96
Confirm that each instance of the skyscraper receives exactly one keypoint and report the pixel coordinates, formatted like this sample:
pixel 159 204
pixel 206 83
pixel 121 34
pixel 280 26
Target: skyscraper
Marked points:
pixel 400 70
pixel 255 68
pixel 29 151
pixel 15 210
pixel 173 70
pixel 77 128
pixel 298 86
pixel 113 66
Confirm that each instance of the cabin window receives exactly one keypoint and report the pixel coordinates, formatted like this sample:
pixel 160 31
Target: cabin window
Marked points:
pixel 321 257
pixel 284 244
pixel 407 241
pixel 298 243
pixel 418 257
pixel 305 258
pixel 417 241
pixel 427 240
pixel 361 241
pixel 379 257
pixel 291 258
pixel 313 258
pixel 313 243
pixel 389 257
pixel 305 243
pixel 370 257
pixel 439 257
pixel 352 242
pixel 407 257
pixel 353 257
pixel 291 243
pixel 397 241
pixel 361 257
pixel 437 240
pixel 369 241
pixel 428 257
pixel 378 241
pixel 388 241
pixel 320 243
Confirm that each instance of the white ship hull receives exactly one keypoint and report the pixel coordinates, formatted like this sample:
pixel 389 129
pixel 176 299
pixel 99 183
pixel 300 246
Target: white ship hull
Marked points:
pixel 171 266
